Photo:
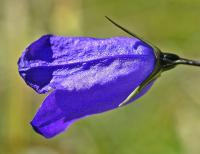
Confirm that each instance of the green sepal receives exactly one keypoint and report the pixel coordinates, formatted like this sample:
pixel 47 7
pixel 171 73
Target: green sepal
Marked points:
pixel 156 72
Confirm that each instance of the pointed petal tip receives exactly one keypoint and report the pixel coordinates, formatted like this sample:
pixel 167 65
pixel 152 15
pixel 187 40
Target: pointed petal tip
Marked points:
pixel 37 50
pixel 35 55
pixel 50 130
pixel 39 131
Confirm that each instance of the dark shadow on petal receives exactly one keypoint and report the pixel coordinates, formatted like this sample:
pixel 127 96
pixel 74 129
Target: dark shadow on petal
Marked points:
pixel 40 50
pixel 40 76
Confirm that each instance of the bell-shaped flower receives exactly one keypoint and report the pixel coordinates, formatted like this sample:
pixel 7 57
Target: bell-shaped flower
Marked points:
pixel 87 76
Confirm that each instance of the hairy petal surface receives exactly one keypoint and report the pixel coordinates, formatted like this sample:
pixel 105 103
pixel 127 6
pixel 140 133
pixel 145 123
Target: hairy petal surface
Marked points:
pixel 77 63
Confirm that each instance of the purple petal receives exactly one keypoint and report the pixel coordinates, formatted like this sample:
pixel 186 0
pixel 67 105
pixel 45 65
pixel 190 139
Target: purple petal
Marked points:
pixel 90 76
pixel 78 63
pixel 61 108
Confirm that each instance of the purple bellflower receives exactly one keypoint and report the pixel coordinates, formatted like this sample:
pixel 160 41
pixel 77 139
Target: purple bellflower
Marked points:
pixel 89 75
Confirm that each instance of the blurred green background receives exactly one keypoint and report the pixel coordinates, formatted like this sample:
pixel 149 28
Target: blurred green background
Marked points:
pixel 165 121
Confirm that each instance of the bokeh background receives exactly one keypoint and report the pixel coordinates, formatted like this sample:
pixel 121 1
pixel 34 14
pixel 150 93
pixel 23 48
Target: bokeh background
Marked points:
pixel 165 121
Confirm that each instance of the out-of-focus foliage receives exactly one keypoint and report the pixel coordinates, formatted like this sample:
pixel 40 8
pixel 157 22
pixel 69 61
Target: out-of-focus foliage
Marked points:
pixel 165 121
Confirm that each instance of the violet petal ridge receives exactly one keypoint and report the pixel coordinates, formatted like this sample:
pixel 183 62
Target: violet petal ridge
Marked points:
pixel 55 62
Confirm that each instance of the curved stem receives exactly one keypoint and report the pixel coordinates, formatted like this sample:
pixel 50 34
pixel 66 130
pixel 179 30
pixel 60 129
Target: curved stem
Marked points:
pixel 187 62
pixel 170 60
